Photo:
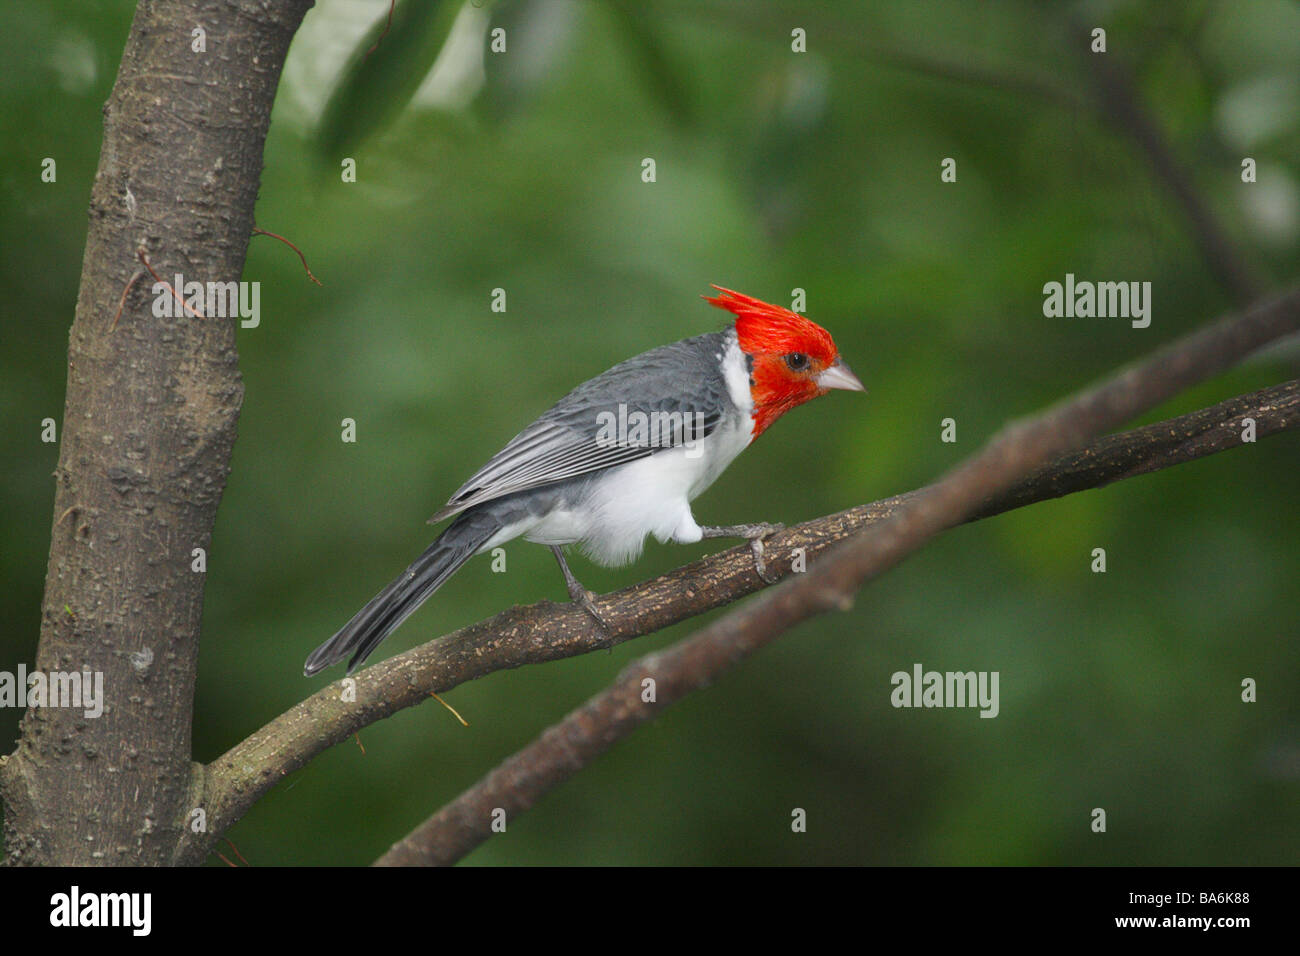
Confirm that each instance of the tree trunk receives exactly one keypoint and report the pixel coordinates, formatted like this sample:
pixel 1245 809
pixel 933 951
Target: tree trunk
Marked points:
pixel 148 427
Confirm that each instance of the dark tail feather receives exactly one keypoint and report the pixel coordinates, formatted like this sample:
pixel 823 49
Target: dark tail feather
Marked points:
pixel 395 603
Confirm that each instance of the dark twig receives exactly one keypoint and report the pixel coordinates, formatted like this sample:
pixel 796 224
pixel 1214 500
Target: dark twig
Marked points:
pixel 159 279
pixel 889 51
pixel 1117 100
pixel 388 25
pixel 237 853
pixel 135 277
pixel 1155 447
pixel 264 232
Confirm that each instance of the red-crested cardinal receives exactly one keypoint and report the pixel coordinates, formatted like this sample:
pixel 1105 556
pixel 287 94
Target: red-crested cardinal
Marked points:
pixel 621 457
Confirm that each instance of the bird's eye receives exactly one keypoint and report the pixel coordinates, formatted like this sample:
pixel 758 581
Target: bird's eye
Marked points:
pixel 797 361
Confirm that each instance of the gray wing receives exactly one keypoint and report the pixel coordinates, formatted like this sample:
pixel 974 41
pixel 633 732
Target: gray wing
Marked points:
pixel 572 438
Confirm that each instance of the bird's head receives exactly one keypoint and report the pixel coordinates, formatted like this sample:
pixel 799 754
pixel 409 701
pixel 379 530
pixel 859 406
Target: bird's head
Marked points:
pixel 791 358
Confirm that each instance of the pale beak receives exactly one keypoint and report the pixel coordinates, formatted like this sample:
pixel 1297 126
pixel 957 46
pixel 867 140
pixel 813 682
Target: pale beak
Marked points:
pixel 839 375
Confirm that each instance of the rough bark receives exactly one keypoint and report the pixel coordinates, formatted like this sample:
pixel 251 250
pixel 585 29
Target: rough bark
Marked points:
pixel 149 421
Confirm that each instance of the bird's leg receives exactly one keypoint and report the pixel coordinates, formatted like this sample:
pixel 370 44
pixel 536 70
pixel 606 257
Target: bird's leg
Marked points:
pixel 755 533
pixel 580 595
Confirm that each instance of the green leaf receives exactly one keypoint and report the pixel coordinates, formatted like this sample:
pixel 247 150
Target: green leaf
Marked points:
pixel 379 80
pixel 657 66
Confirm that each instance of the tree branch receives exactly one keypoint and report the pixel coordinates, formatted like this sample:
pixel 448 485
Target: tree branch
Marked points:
pixel 1117 100
pixel 1016 454
pixel 1155 447
pixel 1112 96
pixel 547 631
pixel 873 46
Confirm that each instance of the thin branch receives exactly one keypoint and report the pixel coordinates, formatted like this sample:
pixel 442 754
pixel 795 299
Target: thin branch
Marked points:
pixel 163 282
pixel 1015 454
pixel 1113 97
pixel 547 631
pixel 1118 101
pixel 121 304
pixel 889 51
pixel 388 25
pixel 1155 447
pixel 267 232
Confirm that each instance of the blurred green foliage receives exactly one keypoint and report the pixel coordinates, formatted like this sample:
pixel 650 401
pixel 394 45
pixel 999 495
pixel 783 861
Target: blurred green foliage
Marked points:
pixel 775 170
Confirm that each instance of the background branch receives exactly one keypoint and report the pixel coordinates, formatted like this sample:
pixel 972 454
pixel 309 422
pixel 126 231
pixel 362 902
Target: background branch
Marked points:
pixel 1004 464
pixel 1118 101
pixel 1112 95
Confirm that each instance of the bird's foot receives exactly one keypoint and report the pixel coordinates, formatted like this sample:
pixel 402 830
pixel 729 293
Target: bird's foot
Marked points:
pixel 580 595
pixel 755 533
pixel 587 601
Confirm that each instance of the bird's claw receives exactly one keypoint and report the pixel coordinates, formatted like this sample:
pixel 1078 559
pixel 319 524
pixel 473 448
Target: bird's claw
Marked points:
pixel 755 533
pixel 760 566
pixel 586 600
pixel 756 548
pixel 578 594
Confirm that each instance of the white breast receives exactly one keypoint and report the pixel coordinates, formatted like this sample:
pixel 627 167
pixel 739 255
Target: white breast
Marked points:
pixel 653 495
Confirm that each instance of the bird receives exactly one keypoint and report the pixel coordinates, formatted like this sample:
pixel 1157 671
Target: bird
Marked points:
pixel 620 458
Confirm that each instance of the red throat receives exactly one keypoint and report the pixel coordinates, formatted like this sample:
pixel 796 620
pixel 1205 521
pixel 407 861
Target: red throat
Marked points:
pixel 767 334
pixel 774 393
